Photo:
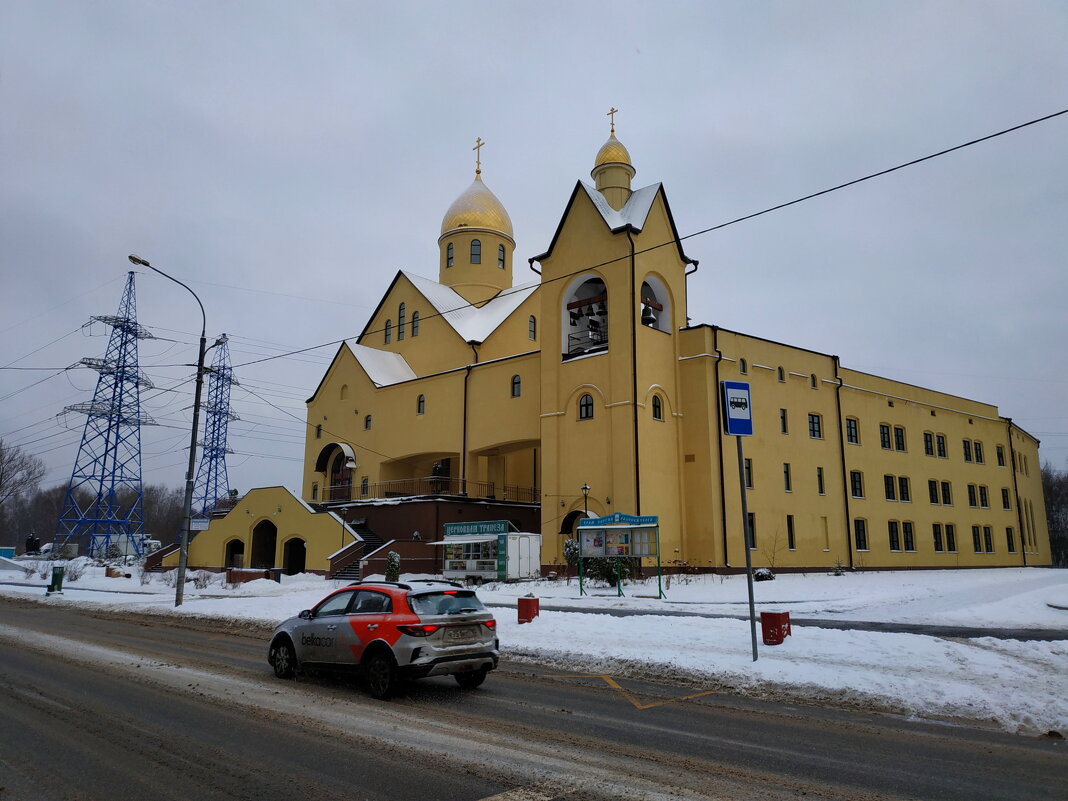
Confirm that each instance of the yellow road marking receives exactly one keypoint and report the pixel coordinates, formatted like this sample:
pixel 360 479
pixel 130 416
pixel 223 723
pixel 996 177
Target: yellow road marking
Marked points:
pixel 626 693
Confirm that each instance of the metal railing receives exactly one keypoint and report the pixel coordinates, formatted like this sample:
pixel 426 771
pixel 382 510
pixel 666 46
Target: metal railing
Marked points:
pixel 587 341
pixel 445 485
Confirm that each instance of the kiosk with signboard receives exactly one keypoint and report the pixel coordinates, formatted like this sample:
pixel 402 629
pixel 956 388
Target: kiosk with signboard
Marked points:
pixel 619 536
pixel 490 550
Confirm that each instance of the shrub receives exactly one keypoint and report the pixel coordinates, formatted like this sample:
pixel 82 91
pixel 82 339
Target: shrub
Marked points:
pixel 605 569
pixel 393 566
pixel 202 578
pixel 763 574
pixel 75 570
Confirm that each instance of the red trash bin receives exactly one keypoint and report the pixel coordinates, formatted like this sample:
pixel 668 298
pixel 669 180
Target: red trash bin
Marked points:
pixel 528 609
pixel 775 626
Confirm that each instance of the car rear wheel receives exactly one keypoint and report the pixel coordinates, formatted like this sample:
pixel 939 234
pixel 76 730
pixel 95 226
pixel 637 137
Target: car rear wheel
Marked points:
pixel 284 660
pixel 380 675
pixel 469 681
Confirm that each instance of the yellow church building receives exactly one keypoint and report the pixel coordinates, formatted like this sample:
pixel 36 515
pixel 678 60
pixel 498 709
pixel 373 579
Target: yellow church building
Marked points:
pixel 585 391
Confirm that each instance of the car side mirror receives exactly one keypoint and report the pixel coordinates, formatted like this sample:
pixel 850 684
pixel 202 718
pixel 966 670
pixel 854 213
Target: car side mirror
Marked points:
pixel 305 615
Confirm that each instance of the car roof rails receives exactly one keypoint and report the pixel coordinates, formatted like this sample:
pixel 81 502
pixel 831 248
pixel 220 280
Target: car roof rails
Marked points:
pixel 382 583
pixel 436 581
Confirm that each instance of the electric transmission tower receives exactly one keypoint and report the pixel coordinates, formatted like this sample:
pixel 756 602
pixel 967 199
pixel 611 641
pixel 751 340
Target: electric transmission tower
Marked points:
pixel 212 484
pixel 103 506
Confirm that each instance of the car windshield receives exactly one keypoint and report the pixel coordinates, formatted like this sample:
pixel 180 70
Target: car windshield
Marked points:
pixel 446 602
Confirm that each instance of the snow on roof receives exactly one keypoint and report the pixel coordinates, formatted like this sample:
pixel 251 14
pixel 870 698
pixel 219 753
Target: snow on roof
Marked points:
pixel 634 212
pixel 382 367
pixel 472 323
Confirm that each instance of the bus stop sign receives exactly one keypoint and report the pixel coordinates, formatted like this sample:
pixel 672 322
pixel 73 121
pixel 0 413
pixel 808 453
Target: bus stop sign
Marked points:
pixel 738 411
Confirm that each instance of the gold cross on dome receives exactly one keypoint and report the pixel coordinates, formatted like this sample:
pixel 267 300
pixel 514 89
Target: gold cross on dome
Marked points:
pixel 478 154
pixel 612 113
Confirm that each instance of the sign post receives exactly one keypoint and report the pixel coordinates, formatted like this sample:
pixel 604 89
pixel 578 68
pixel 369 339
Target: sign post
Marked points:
pixel 620 536
pixel 738 422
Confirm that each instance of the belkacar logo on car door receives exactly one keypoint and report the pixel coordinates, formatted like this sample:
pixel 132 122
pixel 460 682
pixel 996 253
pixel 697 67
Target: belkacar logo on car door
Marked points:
pixel 316 641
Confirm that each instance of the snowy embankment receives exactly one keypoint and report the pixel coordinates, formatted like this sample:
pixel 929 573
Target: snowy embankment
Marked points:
pixel 1019 686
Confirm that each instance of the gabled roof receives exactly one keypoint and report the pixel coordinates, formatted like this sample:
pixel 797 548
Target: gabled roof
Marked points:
pixel 472 323
pixel 632 217
pixel 382 366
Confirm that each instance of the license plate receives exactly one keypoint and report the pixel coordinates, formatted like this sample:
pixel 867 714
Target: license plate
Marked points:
pixel 461 633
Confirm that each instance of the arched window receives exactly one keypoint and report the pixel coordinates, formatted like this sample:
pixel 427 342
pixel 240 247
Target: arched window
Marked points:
pixel 655 305
pixel 743 367
pixel 584 318
pixel 344 392
pixel 420 404
pixel 367 423
pixel 813 382
pixel 782 375
pixel 415 324
pixel 517 386
pixel 586 407
pixel 389 331
pixel 500 256
pixel 401 314
pixel 448 255
pixel 476 252
pixel 658 408
pixel 532 327
pixel 363 486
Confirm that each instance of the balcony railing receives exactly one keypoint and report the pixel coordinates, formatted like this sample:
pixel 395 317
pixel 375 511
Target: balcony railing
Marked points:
pixel 439 485
pixel 589 341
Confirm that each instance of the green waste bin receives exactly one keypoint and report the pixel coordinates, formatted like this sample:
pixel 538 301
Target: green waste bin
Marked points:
pixel 57 579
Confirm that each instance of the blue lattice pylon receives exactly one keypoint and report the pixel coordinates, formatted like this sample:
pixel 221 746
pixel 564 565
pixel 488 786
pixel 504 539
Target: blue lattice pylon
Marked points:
pixel 103 506
pixel 212 485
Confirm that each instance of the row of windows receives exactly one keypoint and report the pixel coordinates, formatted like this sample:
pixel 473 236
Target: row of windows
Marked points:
pixel 532 326
pixel 585 406
pixel 743 368
pixel 894 438
pixel 476 254
pixel 815 424
pixel 901 536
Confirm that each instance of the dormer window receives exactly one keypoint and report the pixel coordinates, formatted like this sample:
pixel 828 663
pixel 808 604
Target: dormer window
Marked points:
pixel 500 256
pixel 476 251
pixel 448 255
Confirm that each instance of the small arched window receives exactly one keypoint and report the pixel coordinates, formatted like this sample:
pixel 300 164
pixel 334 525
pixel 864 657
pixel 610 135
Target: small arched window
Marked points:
pixel 517 386
pixel 402 313
pixel 415 324
pixel 658 408
pixel 319 431
pixel 500 256
pixel 344 394
pixel 586 407
pixel 782 375
pixel 367 423
pixel 389 331
pixel 315 492
pixel 743 367
pixel 532 327
pixel 813 381
pixel 420 404
pixel 364 486
pixel 476 251
pixel 448 255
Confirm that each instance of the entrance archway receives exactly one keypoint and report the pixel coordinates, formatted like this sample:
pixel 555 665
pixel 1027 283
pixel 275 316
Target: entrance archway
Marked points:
pixel 264 543
pixel 294 554
pixel 235 554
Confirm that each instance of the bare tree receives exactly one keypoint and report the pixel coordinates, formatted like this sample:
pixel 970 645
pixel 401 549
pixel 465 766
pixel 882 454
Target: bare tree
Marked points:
pixel 20 472
pixel 1055 487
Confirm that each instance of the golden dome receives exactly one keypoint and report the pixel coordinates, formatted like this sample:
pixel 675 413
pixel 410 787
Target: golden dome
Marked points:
pixel 612 152
pixel 477 207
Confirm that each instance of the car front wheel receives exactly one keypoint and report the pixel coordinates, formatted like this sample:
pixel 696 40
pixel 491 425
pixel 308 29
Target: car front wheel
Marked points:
pixel 285 660
pixel 381 675
pixel 469 681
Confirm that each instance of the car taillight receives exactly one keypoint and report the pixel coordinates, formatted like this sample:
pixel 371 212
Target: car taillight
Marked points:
pixel 489 624
pixel 419 631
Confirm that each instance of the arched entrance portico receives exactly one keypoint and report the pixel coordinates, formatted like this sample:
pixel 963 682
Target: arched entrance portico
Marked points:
pixel 264 543
pixel 294 554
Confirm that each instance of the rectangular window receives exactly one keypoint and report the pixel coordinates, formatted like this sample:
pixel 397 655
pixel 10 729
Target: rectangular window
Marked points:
pixel 856 483
pixel 1001 456
pixel 972 500
pixel 978 448
pixel 890 486
pixel 951 538
pixel 977 542
pixel 907 536
pixel 1010 540
pixel 751 522
pixel 903 493
pixel 988 539
pixel 967 450
pixel 932 490
pixel 940 445
pixel 984 499
pixel 884 436
pixel 928 443
pixel 899 438
pixel 936 531
pixel 895 535
pixel 786 483
pixel 783 422
pixel 860 534
pixel 790 533
pixel 815 426
pixel 947 495
pixel 852 431
pixel 748 473
pixel 1006 502
pixel 819 481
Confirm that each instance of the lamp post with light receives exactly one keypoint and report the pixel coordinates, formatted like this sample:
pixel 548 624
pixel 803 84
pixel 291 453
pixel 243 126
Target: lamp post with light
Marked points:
pixel 187 506
pixel 585 500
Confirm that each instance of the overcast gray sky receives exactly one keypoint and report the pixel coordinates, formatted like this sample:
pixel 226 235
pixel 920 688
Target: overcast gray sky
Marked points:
pixel 285 159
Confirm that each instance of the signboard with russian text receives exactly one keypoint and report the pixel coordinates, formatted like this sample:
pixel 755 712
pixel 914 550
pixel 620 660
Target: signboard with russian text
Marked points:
pixel 478 527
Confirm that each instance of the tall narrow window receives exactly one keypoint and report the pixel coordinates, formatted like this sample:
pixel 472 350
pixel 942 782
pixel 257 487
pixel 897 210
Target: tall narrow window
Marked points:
pixel 932 490
pixel 532 328
pixel 890 485
pixel 784 426
pixel 1005 502
pixel 415 324
pixel 389 331
pixel 1010 540
pixel 860 534
pixel 790 544
pixel 500 256
pixel 947 494
pixel 813 381
pixel 903 493
pixel 748 470
pixel 972 492
pixel 517 386
pixel 884 436
pixel 988 539
pixel 936 531
pixel 928 443
pixel 401 317
pixel 899 438
pixel 448 255
pixel 984 498
pixel 586 407
pixel 978 448
pixel 786 483
pixel 1000 450
pixel 743 367
pixel 815 426
pixel 967 444
pixel 658 408
pixel 420 404
pixel 751 520
pixel 364 486
pixel 319 431
pixel 895 535
pixel 819 481
pixel 315 492
pixel 367 423
pixel 940 443
pixel 782 375
pixel 476 252
pixel 908 536
pixel 852 431
pixel 951 537
pixel 856 483
pixel 977 541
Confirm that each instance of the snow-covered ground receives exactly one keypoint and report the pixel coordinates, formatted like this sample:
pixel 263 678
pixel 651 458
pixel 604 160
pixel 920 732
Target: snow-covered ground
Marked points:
pixel 1019 686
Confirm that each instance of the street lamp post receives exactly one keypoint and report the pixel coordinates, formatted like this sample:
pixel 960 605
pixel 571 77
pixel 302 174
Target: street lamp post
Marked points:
pixel 585 500
pixel 187 506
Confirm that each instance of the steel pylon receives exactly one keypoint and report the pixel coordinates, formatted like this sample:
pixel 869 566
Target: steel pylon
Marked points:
pixel 103 509
pixel 211 484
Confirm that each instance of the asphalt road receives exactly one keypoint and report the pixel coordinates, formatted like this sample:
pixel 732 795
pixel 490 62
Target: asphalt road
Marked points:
pixel 93 707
